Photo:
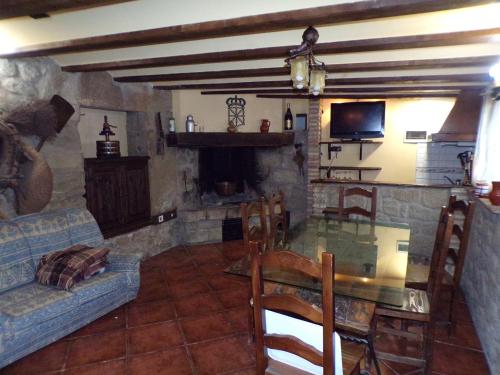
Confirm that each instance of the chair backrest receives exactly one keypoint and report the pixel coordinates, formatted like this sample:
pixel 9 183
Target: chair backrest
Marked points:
pixel 440 253
pixel 278 226
pixel 294 305
pixel 249 210
pixel 462 233
pixel 355 210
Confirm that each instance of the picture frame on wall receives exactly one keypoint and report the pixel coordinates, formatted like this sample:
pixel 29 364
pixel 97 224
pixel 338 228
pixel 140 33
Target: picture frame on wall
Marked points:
pixel 301 121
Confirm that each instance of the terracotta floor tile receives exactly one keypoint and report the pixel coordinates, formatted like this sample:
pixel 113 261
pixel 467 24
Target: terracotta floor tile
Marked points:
pixel 196 305
pixel 152 292
pixel 105 346
pixel 224 282
pixel 150 312
pixel 203 249
pixel 117 367
pixel 209 257
pixel 215 268
pixel 154 337
pixel 168 362
pixel 181 274
pixel 248 371
pixel 206 327
pixel 465 336
pixel 453 360
pixel 218 356
pixel 238 318
pixel 188 288
pixel 234 297
pixel 152 276
pixel 111 321
pixel 50 358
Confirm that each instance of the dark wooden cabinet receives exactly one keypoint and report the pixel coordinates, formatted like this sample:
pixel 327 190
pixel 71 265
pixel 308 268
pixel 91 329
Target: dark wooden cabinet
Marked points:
pixel 117 193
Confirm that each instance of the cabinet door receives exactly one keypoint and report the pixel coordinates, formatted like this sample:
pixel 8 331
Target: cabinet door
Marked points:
pixel 137 186
pixel 104 189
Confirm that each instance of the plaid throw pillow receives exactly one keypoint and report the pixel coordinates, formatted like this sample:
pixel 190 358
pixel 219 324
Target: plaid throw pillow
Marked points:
pixel 65 268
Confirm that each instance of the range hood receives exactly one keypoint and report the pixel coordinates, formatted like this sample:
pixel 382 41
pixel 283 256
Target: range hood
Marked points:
pixel 462 122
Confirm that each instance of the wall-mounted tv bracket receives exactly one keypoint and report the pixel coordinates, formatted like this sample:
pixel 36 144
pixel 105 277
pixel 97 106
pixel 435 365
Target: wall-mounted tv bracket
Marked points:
pixel 333 148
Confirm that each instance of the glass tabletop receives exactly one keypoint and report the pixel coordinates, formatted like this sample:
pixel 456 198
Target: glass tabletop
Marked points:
pixel 370 258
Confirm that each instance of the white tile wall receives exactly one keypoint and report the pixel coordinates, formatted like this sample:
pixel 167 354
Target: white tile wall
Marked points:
pixel 436 160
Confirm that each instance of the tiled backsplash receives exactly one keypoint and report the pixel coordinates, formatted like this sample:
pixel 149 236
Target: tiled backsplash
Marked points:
pixel 436 160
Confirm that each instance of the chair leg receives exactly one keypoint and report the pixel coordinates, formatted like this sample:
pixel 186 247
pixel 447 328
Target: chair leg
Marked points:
pixel 428 340
pixel 373 355
pixel 453 314
pixel 251 331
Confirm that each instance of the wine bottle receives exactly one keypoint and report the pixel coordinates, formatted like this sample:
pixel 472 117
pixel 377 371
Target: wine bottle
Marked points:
pixel 288 118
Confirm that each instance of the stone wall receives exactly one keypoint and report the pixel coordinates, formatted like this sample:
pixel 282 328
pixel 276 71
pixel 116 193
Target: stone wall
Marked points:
pixel 417 206
pixel 480 280
pixel 25 80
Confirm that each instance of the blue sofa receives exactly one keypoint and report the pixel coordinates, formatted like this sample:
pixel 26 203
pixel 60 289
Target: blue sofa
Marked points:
pixel 32 315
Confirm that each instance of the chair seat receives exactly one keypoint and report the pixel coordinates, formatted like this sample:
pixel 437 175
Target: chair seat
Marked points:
pixel 418 274
pixel 414 301
pixel 351 315
pixel 351 357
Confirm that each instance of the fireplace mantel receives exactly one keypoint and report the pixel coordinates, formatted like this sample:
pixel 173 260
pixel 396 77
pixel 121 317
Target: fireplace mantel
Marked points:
pixel 197 140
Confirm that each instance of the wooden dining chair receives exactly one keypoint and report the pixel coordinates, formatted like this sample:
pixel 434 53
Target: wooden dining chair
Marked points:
pixel 278 225
pixel 344 211
pixel 417 274
pixel 251 231
pixel 352 354
pixel 420 306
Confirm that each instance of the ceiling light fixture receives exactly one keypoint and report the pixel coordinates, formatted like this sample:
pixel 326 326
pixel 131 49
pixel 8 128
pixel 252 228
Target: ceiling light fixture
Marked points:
pixel 306 71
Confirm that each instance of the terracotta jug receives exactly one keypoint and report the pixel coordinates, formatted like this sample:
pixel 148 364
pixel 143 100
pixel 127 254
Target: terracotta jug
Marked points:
pixel 495 193
pixel 264 126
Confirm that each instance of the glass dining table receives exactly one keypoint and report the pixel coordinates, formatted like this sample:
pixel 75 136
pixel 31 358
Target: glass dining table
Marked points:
pixel 370 258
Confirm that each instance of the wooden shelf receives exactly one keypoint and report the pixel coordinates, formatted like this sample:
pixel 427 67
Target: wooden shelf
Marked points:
pixel 197 140
pixel 360 143
pixel 345 168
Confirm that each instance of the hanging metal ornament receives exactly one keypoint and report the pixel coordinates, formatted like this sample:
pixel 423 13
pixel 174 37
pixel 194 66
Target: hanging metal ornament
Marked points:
pixel 236 111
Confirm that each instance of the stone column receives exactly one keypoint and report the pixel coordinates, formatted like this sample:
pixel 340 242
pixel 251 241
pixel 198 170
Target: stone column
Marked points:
pixel 313 149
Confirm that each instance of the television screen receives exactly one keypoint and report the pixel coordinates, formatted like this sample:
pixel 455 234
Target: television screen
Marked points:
pixel 357 120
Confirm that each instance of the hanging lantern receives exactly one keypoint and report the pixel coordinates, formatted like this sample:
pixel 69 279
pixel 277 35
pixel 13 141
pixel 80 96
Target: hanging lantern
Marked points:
pixel 305 70
pixel 300 72
pixel 317 85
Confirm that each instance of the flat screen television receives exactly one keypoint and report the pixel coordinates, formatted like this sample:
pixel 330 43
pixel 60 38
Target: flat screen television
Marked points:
pixel 357 120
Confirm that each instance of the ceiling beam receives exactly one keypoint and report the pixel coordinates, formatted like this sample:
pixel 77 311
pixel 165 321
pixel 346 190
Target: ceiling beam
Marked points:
pixel 336 90
pixel 476 61
pixel 19 8
pixel 347 46
pixel 336 81
pixel 373 96
pixel 325 15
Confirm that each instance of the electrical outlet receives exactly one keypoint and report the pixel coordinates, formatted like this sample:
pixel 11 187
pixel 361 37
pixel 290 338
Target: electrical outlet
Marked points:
pixel 164 217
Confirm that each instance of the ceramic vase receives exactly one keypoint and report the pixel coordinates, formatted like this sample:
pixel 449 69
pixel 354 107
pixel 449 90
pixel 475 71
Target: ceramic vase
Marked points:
pixel 495 193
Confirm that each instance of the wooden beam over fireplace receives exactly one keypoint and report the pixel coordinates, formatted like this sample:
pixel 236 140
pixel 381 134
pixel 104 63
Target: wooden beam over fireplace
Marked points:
pixel 325 15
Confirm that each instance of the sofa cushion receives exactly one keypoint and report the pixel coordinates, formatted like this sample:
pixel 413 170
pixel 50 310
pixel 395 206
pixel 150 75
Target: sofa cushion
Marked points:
pixel 45 232
pixel 16 265
pixel 99 285
pixel 33 304
pixel 83 228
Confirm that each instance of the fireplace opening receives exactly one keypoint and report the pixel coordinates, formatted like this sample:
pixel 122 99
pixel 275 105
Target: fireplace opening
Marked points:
pixel 235 165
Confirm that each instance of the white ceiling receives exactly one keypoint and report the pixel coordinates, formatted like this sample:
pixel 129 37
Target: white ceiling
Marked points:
pixel 147 14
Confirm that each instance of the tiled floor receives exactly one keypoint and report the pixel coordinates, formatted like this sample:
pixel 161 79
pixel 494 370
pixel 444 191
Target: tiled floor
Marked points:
pixel 190 318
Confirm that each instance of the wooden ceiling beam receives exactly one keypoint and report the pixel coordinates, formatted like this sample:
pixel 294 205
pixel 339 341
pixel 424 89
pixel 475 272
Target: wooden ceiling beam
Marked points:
pixel 337 90
pixel 461 62
pixel 375 96
pixel 413 79
pixel 347 46
pixel 325 15
pixel 19 8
